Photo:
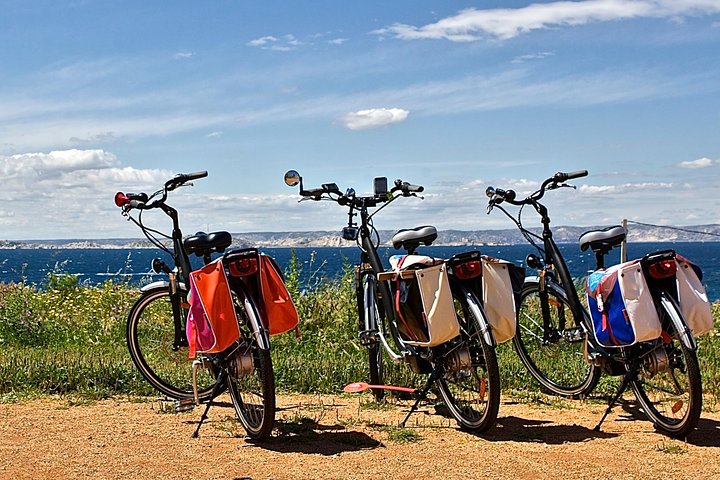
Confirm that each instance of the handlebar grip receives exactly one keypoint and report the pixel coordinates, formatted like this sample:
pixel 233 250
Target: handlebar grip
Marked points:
pixel 142 197
pixel 196 175
pixel 312 192
pixel 560 177
pixel 409 188
pixel 576 174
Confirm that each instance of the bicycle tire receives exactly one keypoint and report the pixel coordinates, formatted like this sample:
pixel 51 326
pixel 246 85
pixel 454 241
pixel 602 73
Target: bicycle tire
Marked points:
pixel 558 365
pixel 150 333
pixel 472 392
pixel 671 398
pixel 253 393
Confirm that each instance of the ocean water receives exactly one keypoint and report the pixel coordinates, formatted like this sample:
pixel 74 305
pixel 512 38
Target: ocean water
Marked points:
pixel 94 266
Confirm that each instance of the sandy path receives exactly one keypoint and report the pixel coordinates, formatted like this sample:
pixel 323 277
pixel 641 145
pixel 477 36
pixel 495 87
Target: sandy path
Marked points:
pixel 338 437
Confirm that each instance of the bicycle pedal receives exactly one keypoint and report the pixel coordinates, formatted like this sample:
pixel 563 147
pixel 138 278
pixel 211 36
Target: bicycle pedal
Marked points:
pixel 184 405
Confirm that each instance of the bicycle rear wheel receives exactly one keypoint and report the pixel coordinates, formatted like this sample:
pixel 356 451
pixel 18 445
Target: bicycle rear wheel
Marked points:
pixel 251 381
pixel 556 358
pixel 150 334
pixel 470 385
pixel 668 386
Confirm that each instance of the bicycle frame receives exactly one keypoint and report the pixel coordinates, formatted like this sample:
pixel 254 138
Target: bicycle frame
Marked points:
pixel 369 256
pixel 554 259
pixel 182 263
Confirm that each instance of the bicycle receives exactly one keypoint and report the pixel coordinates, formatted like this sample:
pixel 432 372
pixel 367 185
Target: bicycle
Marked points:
pixel 464 369
pixel 553 337
pixel 156 334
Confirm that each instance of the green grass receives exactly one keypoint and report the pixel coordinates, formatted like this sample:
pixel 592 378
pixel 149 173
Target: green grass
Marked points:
pixel 64 338
pixel 671 447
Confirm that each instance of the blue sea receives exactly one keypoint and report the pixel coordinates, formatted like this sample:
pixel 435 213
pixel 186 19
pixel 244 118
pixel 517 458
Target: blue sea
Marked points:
pixel 94 266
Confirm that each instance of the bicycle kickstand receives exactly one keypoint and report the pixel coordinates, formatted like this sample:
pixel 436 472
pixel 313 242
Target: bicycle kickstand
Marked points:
pixel 217 388
pixel 621 389
pixel 422 394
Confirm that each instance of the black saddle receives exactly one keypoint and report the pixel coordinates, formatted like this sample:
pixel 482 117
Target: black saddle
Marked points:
pixel 202 243
pixel 411 238
pixel 602 241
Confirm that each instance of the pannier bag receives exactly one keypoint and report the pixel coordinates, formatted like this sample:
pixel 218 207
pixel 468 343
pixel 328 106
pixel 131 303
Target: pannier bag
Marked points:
pixel 212 324
pixel 423 300
pixel 693 300
pixel 279 308
pixel 262 277
pixel 501 285
pixel 621 306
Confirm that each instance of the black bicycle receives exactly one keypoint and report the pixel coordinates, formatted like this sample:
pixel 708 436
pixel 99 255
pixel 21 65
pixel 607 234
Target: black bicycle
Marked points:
pixel 464 368
pixel 553 337
pixel 156 335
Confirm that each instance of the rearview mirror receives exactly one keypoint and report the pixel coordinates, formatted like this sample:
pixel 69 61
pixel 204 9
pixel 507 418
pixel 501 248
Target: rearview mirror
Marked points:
pixel 292 178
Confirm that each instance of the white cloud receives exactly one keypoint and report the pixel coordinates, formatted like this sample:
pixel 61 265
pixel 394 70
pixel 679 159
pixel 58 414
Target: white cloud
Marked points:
pixel 505 23
pixel 181 55
pixel 284 44
pixel 67 193
pixel 624 188
pixel 699 163
pixel 337 41
pixel 262 41
pixel 532 56
pixel 374 117
pixel 53 164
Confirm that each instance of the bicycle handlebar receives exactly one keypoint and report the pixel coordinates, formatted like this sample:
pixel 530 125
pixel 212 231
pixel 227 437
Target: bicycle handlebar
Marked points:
pixel 182 178
pixel 497 195
pixel 139 201
pixel 349 198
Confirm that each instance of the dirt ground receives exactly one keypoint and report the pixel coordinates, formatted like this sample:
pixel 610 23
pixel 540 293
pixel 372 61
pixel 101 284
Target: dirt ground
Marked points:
pixel 326 437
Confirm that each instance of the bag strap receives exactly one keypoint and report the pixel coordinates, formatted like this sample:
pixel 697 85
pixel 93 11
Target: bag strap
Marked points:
pixel 192 340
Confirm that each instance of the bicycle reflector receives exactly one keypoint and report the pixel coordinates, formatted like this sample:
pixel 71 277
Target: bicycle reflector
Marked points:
pixel 468 270
pixel 243 267
pixel 121 199
pixel 662 269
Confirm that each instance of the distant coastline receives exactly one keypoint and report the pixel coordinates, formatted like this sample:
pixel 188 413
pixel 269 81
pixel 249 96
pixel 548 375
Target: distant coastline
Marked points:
pixel 563 234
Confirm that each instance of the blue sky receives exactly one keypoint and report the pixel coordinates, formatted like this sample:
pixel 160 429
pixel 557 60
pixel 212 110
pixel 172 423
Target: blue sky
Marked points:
pixel 100 96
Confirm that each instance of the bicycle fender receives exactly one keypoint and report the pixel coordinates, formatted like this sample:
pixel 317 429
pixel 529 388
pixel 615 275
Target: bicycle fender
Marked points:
pixel 159 284
pixel 678 321
pixel 478 312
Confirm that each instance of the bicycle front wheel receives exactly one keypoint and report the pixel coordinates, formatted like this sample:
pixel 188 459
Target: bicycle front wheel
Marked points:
pixel 150 334
pixel 554 357
pixel 470 385
pixel 369 317
pixel 251 381
pixel 668 386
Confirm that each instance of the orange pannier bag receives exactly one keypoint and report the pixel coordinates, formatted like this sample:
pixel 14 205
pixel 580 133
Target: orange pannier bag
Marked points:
pixel 262 276
pixel 212 324
pixel 280 313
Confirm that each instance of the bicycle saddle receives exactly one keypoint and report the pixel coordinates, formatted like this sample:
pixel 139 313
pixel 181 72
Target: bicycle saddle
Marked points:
pixel 206 243
pixel 411 238
pixel 602 240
